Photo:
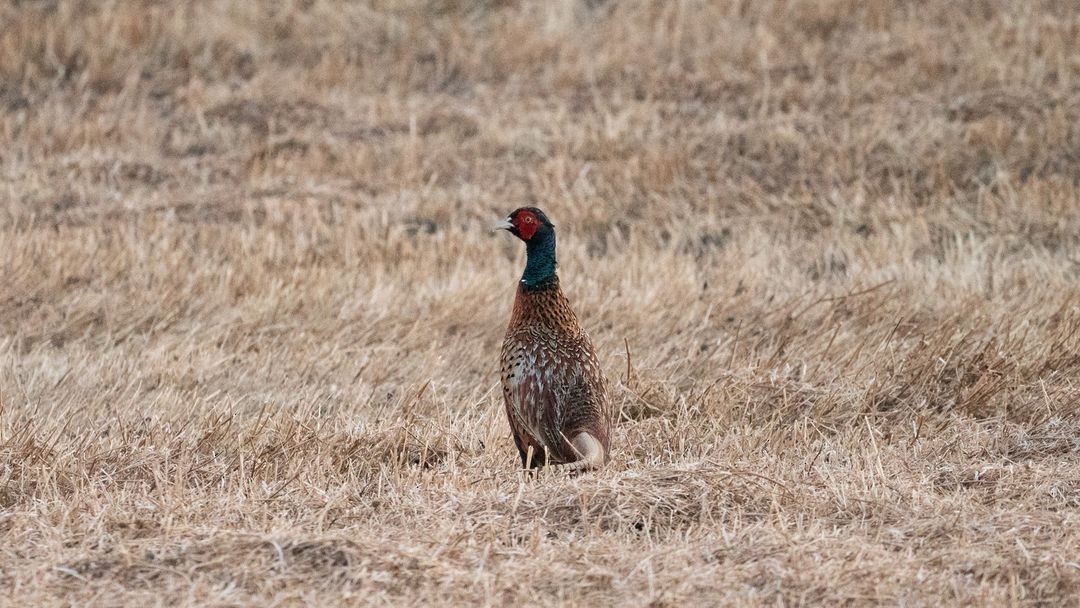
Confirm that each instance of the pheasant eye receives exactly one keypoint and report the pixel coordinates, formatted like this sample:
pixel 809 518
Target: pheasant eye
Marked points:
pixel 528 219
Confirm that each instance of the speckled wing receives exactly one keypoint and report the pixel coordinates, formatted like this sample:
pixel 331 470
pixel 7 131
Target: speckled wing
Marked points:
pixel 552 388
pixel 526 393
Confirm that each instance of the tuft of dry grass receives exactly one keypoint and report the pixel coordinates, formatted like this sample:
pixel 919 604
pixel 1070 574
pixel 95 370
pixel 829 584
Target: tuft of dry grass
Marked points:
pixel 250 310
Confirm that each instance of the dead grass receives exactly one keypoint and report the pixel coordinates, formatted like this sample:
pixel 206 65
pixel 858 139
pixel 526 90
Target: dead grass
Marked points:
pixel 250 308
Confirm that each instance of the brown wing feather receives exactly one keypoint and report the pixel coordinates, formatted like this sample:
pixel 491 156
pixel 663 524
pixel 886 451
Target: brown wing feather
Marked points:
pixel 530 405
pixel 553 386
pixel 552 392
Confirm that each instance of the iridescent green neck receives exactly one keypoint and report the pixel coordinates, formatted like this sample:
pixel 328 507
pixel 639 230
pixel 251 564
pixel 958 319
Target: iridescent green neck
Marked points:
pixel 540 263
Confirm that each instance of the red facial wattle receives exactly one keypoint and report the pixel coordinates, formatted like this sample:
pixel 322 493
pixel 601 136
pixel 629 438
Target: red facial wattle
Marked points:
pixel 526 224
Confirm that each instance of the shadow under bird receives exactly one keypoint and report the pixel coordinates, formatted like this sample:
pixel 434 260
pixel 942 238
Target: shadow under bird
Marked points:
pixel 555 392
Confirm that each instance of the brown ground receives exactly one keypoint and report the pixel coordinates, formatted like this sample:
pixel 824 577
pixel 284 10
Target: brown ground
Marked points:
pixel 250 308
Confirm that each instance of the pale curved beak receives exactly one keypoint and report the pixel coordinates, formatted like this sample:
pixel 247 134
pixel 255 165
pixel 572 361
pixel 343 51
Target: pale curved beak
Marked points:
pixel 503 225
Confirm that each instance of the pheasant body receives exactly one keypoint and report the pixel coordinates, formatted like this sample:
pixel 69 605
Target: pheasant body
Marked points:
pixel 553 386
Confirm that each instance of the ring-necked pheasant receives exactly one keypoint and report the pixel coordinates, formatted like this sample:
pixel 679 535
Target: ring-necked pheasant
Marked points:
pixel 555 392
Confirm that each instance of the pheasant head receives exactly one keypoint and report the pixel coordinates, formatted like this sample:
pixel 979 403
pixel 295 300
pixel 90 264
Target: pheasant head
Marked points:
pixel 531 225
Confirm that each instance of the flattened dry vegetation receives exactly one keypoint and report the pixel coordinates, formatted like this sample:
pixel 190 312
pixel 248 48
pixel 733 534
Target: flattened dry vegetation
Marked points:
pixel 828 250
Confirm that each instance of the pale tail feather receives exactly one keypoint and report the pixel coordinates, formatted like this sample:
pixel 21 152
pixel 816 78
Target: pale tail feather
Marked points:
pixel 590 454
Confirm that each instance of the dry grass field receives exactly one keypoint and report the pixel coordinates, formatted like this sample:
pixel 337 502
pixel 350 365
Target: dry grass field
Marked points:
pixel 251 307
